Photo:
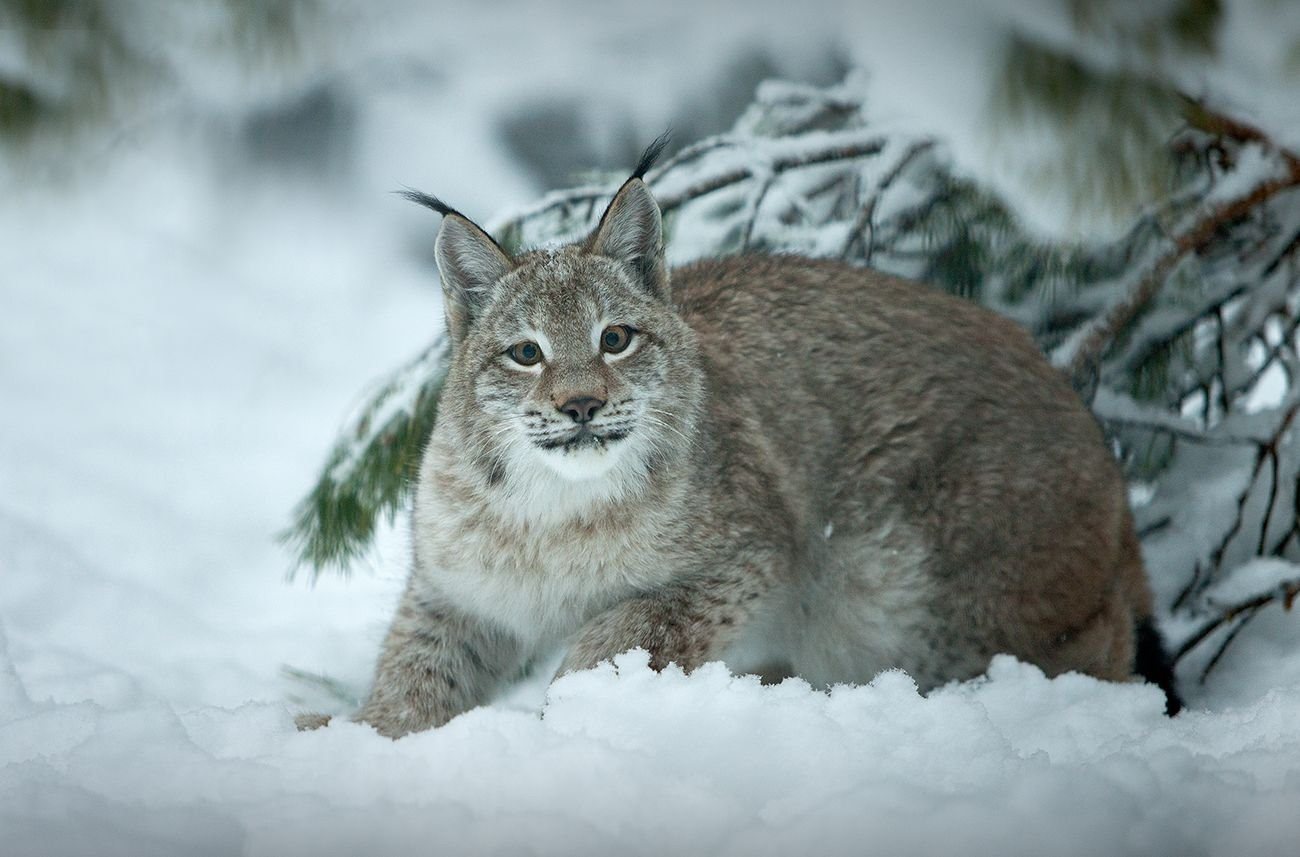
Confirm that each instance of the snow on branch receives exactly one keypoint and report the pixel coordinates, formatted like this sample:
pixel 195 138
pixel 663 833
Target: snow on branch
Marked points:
pixel 1081 355
pixel 681 180
pixel 1229 613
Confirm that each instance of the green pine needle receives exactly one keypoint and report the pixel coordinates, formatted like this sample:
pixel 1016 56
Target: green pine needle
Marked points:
pixel 369 474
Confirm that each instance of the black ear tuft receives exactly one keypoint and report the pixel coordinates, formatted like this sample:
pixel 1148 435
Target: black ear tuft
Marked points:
pixel 432 202
pixel 470 262
pixel 631 232
pixel 651 154
pixel 428 200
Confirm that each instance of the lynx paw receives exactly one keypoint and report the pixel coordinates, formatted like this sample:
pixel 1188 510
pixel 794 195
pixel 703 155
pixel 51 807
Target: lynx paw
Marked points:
pixel 310 720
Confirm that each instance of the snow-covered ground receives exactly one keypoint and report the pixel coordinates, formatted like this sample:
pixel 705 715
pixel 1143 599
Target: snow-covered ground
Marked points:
pixel 182 332
pixel 628 761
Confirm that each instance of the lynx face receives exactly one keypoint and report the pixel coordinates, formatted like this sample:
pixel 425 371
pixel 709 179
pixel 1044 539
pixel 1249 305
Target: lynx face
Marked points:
pixel 568 363
pixel 578 369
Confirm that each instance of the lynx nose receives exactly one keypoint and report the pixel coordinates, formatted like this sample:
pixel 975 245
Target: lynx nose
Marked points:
pixel 582 408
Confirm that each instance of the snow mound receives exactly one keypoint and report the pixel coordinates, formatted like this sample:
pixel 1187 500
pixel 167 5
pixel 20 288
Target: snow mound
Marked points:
pixel 624 760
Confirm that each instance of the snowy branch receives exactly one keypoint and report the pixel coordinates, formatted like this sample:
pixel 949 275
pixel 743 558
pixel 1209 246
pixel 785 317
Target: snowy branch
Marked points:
pixel 821 149
pixel 863 229
pixel 1285 592
pixel 1081 356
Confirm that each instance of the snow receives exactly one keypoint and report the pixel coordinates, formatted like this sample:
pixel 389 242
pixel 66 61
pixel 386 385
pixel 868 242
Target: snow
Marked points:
pixel 1255 166
pixel 626 760
pixel 1252 579
pixel 180 340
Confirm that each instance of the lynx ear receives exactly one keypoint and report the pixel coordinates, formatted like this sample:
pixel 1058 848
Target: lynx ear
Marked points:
pixel 631 232
pixel 470 264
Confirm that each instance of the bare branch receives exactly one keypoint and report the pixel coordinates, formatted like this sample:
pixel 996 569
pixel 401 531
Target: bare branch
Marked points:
pixel 1240 625
pixel 1285 592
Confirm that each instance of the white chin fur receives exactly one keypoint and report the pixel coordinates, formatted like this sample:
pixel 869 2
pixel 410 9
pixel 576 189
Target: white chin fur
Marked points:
pixel 583 463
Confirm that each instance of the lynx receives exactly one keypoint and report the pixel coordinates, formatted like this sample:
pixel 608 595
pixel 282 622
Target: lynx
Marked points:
pixel 792 465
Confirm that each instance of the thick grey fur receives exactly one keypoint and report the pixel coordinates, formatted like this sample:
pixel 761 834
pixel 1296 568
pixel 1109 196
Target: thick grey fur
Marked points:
pixel 801 467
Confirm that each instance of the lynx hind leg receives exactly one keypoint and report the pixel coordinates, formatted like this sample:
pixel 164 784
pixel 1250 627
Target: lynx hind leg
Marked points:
pixel 1102 645
pixel 1151 660
pixel 1118 646
pixel 1120 641
pixel 1152 663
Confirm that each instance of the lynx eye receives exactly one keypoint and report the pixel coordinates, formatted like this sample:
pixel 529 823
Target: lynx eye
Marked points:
pixel 525 353
pixel 615 338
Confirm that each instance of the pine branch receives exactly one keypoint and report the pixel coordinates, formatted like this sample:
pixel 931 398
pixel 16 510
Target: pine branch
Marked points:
pixel 693 152
pixel 1155 333
pixel 1293 531
pixel 1081 356
pixel 367 476
pixel 325 685
pixel 840 150
pixel 843 152
pixel 1203 118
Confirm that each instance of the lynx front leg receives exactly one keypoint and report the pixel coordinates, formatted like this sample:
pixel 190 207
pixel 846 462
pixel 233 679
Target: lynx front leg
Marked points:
pixel 688 623
pixel 436 663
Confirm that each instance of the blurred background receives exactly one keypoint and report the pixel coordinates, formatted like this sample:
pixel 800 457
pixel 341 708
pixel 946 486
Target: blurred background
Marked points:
pixel 203 270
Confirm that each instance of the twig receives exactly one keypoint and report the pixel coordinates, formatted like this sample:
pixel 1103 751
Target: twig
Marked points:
pixel 1193 586
pixel 1275 355
pixel 864 221
pixel 1145 342
pixel 754 206
pixel 1114 408
pixel 1180 432
pixel 1273 486
pixel 1275 465
pixel 693 152
pixel 1266 450
pixel 1081 359
pixel 1227 641
pixel 1154 527
pixel 1279 547
pixel 1216 124
pixel 1286 592
pixel 668 202
pixel 1203 378
pixel 1292 246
